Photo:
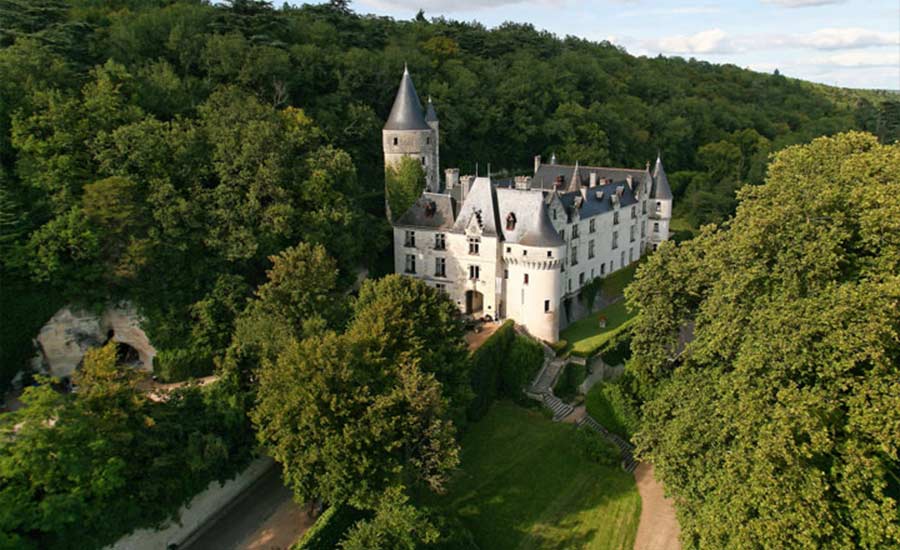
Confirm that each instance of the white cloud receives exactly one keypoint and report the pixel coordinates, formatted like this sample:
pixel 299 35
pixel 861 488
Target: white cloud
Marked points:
pixel 711 41
pixel 861 59
pixel 835 38
pixel 686 10
pixel 802 3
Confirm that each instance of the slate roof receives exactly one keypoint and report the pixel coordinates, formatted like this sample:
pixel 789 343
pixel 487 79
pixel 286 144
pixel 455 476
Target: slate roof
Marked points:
pixel 481 200
pixel 419 215
pixel 661 189
pixel 533 227
pixel 406 114
pixel 430 113
pixel 546 175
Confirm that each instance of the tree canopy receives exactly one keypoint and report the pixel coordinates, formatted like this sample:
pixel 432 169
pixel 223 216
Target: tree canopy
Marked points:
pixel 778 424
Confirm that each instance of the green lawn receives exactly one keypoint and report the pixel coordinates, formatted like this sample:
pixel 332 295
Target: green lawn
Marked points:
pixel 585 337
pixel 525 484
pixel 614 284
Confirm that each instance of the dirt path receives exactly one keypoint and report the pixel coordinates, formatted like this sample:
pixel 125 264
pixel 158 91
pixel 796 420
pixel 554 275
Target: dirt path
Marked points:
pixel 658 528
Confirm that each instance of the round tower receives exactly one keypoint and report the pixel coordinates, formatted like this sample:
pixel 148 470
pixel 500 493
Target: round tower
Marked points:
pixel 407 134
pixel 660 205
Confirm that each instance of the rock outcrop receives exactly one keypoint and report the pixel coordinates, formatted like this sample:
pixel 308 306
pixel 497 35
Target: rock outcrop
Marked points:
pixel 63 341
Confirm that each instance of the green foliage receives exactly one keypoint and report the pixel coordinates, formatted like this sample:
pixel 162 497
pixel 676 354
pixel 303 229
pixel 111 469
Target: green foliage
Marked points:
pixel 24 308
pixel 177 365
pixel 776 426
pixel 617 350
pixel 396 524
pixel 570 378
pixel 589 292
pixel 613 406
pixel 595 448
pixel 586 336
pixel 486 363
pixel 524 359
pixel 81 470
pixel 330 527
pixel 404 183
pixel 560 346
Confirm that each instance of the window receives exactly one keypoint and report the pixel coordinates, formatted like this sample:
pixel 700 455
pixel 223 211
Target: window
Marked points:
pixel 428 141
pixel 474 272
pixel 656 227
pixel 570 285
pixel 643 229
pixel 622 259
pixel 590 249
pixel 634 212
pixel 592 226
pixel 575 231
pixel 440 241
pixel 615 218
pixel 440 267
pixel 506 274
pixel 574 255
pixel 562 234
pixel 615 242
pixel 658 207
pixel 644 207
pixel 546 306
pixel 602 269
pixel 410 239
pixel 549 253
pixel 592 273
pixel 611 268
pixel 581 279
pixel 631 233
pixel 441 286
pixel 410 263
pixel 508 249
pixel 395 141
pixel 474 245
pixel 630 255
pixel 526 278
pixel 423 161
pixel 510 222
pixel 554 213
pixel 524 252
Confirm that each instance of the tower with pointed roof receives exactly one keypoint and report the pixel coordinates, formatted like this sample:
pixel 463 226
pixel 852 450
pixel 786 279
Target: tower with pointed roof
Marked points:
pixel 661 198
pixel 410 132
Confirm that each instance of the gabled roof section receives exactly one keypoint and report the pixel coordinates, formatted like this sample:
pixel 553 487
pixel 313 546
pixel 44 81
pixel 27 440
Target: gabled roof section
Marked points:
pixel 481 202
pixel 431 210
pixel 573 179
pixel 661 189
pixel 430 113
pixel 406 114
pixel 533 226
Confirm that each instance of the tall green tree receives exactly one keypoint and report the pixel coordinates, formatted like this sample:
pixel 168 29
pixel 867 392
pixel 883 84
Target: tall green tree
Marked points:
pixel 404 183
pixel 777 424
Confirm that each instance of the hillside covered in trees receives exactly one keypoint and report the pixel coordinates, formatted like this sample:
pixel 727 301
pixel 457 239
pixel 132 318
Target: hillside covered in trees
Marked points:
pixel 162 150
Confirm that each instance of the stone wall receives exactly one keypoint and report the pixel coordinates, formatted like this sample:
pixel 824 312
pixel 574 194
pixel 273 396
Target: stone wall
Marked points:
pixel 63 341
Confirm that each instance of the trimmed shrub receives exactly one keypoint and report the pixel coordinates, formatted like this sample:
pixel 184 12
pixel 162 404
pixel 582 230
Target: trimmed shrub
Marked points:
pixel 559 347
pixel 611 405
pixel 617 350
pixel 524 359
pixel 567 384
pixel 330 527
pixel 177 365
pixel 596 448
pixel 486 363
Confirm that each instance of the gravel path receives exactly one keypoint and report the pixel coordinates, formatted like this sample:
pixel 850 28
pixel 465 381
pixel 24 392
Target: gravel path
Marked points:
pixel 658 528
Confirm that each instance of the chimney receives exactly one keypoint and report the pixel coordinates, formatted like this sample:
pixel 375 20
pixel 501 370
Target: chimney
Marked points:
pixel 537 163
pixel 451 177
pixel 553 158
pixel 593 179
pixel 630 182
pixel 466 183
pixel 524 182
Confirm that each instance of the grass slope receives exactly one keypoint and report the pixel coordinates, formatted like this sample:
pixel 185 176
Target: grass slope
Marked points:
pixel 525 484
pixel 584 337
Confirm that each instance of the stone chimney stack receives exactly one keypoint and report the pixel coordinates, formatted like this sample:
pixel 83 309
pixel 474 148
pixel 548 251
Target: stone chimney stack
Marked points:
pixel 524 182
pixel 537 163
pixel 451 177
pixel 466 183
pixel 593 179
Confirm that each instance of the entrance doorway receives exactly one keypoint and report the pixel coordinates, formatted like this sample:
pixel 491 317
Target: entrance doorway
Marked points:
pixel 474 303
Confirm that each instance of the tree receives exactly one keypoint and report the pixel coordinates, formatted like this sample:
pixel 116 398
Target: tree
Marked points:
pixel 778 424
pixel 404 183
pixel 397 524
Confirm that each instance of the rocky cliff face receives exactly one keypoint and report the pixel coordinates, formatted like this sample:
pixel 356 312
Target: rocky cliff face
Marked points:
pixel 63 341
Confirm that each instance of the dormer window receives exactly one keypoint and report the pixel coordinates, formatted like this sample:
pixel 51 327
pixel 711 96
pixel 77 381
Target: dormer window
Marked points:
pixel 430 209
pixel 510 222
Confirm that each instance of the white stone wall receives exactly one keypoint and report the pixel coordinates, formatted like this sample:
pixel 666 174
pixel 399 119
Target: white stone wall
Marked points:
pixel 525 302
pixel 660 213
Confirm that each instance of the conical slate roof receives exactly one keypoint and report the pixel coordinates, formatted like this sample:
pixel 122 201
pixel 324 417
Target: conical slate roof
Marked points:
pixel 661 189
pixel 406 113
pixel 430 113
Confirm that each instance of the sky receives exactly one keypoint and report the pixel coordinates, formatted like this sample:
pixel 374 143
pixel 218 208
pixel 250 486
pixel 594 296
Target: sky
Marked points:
pixel 850 43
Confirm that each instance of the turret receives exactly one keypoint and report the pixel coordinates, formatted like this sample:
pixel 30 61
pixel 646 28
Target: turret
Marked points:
pixel 407 133
pixel 660 205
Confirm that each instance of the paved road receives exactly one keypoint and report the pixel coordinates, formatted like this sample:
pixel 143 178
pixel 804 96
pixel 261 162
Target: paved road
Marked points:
pixel 266 518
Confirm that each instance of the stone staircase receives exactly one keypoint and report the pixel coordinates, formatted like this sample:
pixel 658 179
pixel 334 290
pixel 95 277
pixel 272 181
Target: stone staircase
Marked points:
pixel 560 408
pixel 625 448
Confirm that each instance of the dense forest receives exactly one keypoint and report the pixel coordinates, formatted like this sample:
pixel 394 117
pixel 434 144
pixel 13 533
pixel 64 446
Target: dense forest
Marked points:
pixel 161 151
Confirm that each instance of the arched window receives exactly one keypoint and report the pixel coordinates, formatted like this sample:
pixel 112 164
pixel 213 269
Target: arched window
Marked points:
pixel 510 222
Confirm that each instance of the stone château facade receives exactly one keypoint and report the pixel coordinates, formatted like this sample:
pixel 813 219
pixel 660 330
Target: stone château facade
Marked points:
pixel 519 248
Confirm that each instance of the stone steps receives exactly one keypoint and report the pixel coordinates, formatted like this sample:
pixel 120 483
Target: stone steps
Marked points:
pixel 560 408
pixel 625 448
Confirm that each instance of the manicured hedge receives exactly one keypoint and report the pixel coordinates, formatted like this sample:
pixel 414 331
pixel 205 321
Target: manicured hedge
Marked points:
pixel 503 365
pixel 567 384
pixel 611 405
pixel 617 349
pixel 329 528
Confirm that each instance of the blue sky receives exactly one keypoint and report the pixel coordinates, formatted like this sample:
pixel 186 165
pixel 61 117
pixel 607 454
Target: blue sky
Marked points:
pixel 854 43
